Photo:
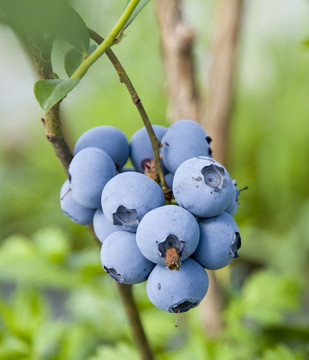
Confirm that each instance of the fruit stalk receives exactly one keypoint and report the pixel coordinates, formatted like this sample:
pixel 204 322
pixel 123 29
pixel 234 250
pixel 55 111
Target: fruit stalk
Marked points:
pixel 124 78
pixel 107 43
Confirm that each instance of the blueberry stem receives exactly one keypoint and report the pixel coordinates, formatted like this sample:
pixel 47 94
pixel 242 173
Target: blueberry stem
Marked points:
pixel 172 259
pixel 177 318
pixel 124 78
pixel 107 43
pixel 244 188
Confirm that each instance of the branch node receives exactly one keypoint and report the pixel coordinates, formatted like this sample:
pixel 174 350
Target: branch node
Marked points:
pixel 136 100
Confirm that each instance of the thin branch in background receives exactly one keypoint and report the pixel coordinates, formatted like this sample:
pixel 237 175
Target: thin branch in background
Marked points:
pixel 220 88
pixel 177 40
pixel 218 108
pixel 185 102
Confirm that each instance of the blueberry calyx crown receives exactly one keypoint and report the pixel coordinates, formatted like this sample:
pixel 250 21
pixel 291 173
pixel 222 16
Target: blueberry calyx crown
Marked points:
pixel 183 306
pixel 171 250
pixel 114 274
pixel 235 245
pixel 213 175
pixel 125 217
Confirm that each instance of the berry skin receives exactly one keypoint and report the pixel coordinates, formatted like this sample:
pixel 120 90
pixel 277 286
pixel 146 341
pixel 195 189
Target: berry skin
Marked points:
pixel 203 186
pixel 90 169
pixel 232 208
pixel 108 138
pixel 78 214
pixel 127 197
pixel 102 228
pixel 175 291
pixel 169 179
pixel 122 259
pixel 183 140
pixel 140 146
pixel 166 227
pixel 219 241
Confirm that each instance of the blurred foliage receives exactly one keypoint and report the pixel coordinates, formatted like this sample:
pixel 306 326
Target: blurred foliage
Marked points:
pixel 56 302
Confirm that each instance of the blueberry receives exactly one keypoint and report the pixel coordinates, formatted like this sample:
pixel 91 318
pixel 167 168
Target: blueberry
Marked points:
pixel 108 138
pixel 177 291
pixel 203 186
pixel 232 208
pixel 78 214
pixel 169 179
pixel 219 241
pixel 165 228
pixel 89 170
pixel 183 140
pixel 141 149
pixel 122 259
pixel 102 228
pixel 128 196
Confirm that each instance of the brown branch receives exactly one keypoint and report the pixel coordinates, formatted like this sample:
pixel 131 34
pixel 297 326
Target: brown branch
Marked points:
pixel 40 49
pixel 221 75
pixel 217 121
pixel 41 56
pixel 184 102
pixel 155 143
pixel 137 329
pixel 177 43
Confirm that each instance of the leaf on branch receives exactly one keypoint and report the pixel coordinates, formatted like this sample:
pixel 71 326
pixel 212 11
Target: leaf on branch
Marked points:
pixel 136 11
pixel 73 58
pixel 48 19
pixel 50 92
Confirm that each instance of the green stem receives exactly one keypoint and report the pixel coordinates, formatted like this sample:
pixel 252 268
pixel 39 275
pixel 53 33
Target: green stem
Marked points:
pixel 107 43
pixel 124 78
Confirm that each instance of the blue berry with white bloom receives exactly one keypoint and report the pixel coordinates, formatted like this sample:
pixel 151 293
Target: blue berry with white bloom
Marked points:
pixel 219 241
pixel 203 186
pixel 122 259
pixel 177 291
pixel 108 138
pixel 90 169
pixel 183 140
pixel 232 208
pixel 128 196
pixel 140 147
pixel 77 213
pixel 164 228
pixel 102 228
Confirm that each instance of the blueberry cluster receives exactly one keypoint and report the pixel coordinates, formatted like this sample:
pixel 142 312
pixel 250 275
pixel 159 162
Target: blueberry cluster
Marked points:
pixel 142 237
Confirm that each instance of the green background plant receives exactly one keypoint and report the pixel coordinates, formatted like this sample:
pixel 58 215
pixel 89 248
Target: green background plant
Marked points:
pixel 56 302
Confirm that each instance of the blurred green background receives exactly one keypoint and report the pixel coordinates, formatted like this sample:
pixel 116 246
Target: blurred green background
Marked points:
pixel 56 302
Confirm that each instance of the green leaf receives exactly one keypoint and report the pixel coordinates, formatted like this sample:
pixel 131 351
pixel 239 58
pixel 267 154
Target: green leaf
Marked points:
pixel 120 351
pixel 265 299
pixel 136 11
pixel 46 19
pixel 73 59
pixel 281 352
pixel 50 92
